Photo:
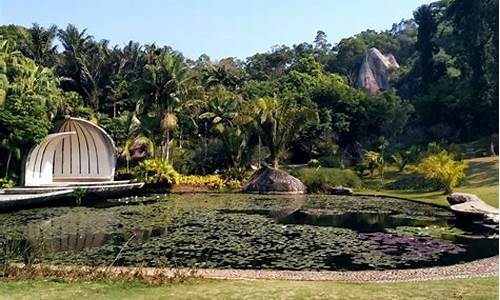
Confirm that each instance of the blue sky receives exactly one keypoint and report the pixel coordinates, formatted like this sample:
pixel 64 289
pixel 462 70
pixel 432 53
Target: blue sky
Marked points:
pixel 219 28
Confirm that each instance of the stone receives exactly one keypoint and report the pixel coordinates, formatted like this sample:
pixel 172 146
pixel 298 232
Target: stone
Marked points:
pixel 268 180
pixel 341 190
pixel 457 198
pixel 374 73
pixel 471 207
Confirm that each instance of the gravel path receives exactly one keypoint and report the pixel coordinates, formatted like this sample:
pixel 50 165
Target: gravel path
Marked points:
pixel 479 268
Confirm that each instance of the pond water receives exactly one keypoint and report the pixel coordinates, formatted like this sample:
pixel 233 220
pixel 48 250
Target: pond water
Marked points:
pixel 310 232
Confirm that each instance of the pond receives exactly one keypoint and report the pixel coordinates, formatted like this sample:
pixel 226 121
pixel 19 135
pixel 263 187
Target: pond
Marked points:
pixel 310 232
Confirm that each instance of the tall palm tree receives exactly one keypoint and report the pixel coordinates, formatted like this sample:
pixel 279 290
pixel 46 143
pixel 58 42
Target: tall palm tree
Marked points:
pixel 164 85
pixel 38 43
pixel 84 67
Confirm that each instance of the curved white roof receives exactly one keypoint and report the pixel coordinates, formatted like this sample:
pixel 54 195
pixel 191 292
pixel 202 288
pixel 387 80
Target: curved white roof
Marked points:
pixel 80 152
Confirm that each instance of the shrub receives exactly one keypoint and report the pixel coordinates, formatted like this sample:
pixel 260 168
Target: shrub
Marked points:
pixel 240 174
pixel 233 184
pixel 322 180
pixel 374 161
pixel 313 163
pixel 6 183
pixel 212 181
pixel 152 171
pixel 443 168
pixel 416 182
pixel 215 182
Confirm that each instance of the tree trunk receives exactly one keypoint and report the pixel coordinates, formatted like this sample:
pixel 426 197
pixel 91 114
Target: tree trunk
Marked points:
pixel 7 165
pixel 259 153
pixel 167 147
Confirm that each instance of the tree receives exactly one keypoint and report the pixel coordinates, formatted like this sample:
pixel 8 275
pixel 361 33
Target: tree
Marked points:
pixel 321 41
pixel 278 121
pixel 76 66
pixel 426 45
pixel 230 122
pixel 475 29
pixel 443 168
pixel 350 53
pixel 163 87
pixel 31 100
pixel 37 43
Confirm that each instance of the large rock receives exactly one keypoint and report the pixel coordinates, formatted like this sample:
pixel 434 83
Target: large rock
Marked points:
pixel 267 180
pixel 374 74
pixel 469 206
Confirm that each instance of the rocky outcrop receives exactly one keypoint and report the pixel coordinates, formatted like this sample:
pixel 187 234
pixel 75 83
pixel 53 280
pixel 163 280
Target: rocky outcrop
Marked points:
pixel 267 180
pixel 470 208
pixel 374 74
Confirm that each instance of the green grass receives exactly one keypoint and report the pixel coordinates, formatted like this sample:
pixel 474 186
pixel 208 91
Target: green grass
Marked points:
pixel 483 288
pixel 481 179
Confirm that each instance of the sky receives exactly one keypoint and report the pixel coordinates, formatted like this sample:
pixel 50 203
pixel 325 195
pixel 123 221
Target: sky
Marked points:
pixel 218 28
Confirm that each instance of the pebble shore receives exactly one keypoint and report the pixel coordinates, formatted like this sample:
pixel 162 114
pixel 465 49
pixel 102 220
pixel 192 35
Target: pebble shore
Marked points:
pixel 479 268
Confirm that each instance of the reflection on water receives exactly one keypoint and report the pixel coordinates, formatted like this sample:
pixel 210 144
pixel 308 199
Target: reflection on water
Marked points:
pixel 69 232
pixel 364 222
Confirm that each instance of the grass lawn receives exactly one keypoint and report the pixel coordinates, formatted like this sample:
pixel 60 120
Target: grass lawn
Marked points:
pixel 481 179
pixel 483 288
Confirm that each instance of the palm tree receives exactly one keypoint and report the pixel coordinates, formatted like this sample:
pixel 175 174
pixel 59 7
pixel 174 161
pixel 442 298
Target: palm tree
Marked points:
pixel 278 121
pixel 164 85
pixel 225 110
pixel 85 65
pixel 38 43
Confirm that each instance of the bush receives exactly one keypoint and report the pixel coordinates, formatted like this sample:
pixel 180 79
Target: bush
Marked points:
pixel 215 182
pixel 152 171
pixel 443 168
pixel 322 180
pixel 212 181
pixel 240 174
pixel 416 182
pixel 313 163
pixel 6 183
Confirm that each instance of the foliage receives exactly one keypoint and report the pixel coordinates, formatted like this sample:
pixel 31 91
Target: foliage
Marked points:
pixel 153 171
pixel 443 168
pixel 278 121
pixel 215 182
pixel 321 180
pixel 374 161
pixel 29 100
pixel 212 181
pixel 432 230
pixel 6 183
pixel 289 104
pixel 79 195
pixel 313 163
